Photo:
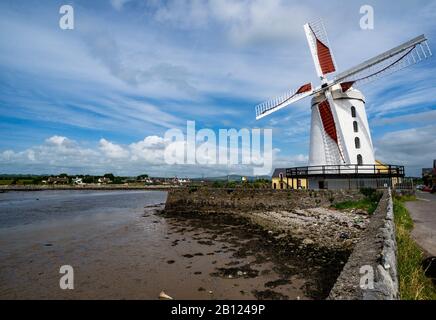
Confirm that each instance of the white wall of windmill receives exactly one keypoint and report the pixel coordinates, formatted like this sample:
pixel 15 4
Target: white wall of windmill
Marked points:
pixel 343 105
pixel 343 154
pixel 323 150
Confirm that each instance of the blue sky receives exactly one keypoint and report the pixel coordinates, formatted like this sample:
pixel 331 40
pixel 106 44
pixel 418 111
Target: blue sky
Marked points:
pixel 99 98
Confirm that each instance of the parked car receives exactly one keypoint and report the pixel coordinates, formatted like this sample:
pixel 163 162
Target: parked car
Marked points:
pixel 433 189
pixel 420 187
pixel 426 189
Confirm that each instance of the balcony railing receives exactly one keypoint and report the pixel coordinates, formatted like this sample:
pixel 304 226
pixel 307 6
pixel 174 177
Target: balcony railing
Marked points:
pixel 347 170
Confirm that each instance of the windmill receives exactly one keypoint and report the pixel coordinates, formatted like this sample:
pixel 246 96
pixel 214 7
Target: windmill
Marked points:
pixel 340 134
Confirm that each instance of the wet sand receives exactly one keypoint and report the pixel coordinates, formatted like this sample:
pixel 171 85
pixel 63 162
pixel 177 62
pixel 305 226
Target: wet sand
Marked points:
pixel 135 253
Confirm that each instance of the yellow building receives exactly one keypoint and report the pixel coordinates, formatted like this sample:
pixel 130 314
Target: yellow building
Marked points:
pixel 279 181
pixel 386 169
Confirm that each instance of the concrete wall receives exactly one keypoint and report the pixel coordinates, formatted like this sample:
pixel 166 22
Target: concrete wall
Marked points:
pixel 374 253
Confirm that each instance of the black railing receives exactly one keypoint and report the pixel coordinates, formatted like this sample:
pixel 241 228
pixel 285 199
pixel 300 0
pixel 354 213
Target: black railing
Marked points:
pixel 387 170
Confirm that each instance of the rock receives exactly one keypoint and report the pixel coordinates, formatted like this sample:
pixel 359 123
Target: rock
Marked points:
pixel 361 211
pixel 344 235
pixel 308 241
pixel 164 296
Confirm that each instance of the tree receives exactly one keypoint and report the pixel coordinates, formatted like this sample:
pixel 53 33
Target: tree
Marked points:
pixel 88 179
pixel 110 176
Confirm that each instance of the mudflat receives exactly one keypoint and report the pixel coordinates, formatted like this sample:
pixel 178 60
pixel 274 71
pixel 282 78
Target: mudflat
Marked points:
pixel 122 247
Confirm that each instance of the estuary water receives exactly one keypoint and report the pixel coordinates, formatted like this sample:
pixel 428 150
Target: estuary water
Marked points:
pixel 120 247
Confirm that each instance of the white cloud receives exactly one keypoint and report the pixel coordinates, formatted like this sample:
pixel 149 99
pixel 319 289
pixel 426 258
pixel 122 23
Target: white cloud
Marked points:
pixel 415 148
pixel 183 13
pixel 60 154
pixel 151 149
pixel 60 141
pixel 112 150
pixel 244 22
pixel 409 119
pixel 253 22
pixel 119 4
pixel 56 151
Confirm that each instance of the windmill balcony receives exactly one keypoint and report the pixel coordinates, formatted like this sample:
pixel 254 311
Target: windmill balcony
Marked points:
pixel 349 176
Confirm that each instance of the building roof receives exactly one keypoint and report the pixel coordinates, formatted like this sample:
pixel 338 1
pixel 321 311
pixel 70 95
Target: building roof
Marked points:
pixel 277 172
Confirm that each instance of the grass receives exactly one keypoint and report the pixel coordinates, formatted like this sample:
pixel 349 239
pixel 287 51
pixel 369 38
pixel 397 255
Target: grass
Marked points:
pixel 19 181
pixel 414 285
pixel 369 203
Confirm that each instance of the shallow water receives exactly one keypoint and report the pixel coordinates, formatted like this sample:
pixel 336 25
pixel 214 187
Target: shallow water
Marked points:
pixel 121 248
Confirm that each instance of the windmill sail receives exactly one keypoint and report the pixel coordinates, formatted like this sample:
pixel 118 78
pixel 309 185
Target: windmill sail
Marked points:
pixel 329 124
pixel 282 101
pixel 407 54
pixel 320 48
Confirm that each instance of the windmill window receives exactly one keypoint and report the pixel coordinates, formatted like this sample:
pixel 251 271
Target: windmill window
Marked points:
pixel 359 159
pixel 357 142
pixel 353 112
pixel 355 126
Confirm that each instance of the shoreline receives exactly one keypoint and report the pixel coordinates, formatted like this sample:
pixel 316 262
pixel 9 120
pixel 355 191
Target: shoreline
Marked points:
pixel 87 187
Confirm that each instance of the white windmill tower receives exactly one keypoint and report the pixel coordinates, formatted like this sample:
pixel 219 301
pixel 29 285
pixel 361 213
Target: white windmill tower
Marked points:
pixel 340 134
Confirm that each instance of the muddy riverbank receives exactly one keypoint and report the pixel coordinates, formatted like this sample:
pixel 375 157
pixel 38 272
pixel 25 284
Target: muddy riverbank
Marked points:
pixel 121 246
pixel 300 231
pixel 304 217
pixel 272 266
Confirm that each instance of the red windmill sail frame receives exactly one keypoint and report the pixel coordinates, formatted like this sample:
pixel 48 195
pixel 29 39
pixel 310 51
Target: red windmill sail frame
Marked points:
pixel 345 86
pixel 328 123
pixel 327 120
pixel 325 57
pixel 304 88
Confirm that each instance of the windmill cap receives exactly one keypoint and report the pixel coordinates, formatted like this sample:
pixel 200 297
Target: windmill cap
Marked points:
pixel 338 94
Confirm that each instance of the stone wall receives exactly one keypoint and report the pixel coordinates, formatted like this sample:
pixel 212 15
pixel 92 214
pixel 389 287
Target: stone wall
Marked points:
pixel 375 254
pixel 211 200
